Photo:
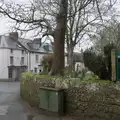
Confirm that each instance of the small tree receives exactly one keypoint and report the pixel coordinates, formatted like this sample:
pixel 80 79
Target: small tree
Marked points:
pixel 47 63
pixel 98 64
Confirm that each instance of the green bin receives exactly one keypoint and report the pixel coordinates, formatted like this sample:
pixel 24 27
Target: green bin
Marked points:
pixel 52 99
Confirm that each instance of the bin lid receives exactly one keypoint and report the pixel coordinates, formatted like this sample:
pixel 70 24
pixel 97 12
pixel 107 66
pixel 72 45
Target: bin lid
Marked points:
pixel 52 89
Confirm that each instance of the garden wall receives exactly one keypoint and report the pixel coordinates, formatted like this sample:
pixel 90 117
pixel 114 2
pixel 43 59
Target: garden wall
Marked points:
pixel 89 101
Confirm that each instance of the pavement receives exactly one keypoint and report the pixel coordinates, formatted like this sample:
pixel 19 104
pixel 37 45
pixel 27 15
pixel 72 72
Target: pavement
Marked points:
pixel 13 108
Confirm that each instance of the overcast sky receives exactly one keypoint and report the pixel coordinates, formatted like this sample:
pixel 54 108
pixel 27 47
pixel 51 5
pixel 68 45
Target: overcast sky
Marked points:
pixel 6 24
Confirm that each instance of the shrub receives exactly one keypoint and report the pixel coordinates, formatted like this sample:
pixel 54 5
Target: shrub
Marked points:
pixel 47 63
pixel 100 65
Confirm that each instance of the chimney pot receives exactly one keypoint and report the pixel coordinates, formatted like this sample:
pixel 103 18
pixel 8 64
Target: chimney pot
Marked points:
pixel 13 35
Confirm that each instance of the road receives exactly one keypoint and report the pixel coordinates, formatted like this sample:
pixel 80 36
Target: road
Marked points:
pixel 11 107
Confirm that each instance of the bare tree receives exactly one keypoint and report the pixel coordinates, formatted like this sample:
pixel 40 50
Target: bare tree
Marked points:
pixel 27 15
pixel 77 25
pixel 49 17
pixel 109 33
pixel 84 15
pixel 59 39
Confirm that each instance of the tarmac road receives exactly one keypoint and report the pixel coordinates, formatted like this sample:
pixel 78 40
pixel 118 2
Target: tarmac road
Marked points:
pixel 11 107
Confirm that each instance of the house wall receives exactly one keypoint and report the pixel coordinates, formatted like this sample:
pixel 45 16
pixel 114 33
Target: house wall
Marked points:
pixel 33 64
pixel 29 58
pixel 79 66
pixel 17 54
pixel 5 60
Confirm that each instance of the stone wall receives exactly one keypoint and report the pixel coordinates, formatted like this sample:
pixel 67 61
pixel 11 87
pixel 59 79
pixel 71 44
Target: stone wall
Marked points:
pixel 89 101
pixel 94 102
pixel 29 88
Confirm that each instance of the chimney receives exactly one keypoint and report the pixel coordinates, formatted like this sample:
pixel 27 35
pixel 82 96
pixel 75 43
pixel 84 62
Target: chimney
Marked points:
pixel 13 35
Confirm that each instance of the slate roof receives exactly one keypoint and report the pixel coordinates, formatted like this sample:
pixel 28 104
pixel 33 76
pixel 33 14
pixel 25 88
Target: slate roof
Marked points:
pixel 28 44
pixel 6 42
pixel 22 43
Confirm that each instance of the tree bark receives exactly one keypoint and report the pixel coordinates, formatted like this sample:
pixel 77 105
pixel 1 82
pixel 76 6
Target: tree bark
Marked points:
pixel 59 40
pixel 70 57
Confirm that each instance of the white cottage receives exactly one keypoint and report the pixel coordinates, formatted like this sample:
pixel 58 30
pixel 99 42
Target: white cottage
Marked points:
pixel 18 55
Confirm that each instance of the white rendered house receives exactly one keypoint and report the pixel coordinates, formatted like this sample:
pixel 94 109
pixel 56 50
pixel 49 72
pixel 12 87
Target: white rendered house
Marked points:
pixel 18 55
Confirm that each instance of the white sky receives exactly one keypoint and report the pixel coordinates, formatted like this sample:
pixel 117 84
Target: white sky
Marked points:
pixel 6 24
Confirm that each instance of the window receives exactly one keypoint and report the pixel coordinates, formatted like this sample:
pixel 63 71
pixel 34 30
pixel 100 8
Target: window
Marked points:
pixel 11 60
pixel 22 60
pixel 10 72
pixel 46 47
pixel 35 70
pixel 22 51
pixel 11 50
pixel 37 59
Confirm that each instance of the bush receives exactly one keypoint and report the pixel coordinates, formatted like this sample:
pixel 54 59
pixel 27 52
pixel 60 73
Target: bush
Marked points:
pixel 47 63
pixel 100 65
pixel 68 72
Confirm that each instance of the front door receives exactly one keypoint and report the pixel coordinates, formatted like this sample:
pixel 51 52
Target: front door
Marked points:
pixel 17 74
pixel 10 72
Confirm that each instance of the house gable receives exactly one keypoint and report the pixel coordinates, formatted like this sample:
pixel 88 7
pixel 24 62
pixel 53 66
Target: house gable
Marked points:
pixel 3 42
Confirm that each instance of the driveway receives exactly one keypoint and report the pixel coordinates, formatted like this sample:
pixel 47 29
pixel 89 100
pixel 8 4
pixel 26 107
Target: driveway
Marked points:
pixel 11 106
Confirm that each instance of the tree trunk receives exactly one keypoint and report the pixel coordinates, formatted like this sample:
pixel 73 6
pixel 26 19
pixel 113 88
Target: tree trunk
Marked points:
pixel 59 40
pixel 70 57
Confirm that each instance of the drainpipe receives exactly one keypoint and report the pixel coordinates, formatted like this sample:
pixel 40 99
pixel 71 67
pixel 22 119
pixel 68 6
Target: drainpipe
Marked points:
pixel 28 61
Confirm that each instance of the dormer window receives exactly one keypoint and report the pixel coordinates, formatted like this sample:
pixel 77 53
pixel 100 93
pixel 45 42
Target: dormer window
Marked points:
pixel 36 46
pixel 46 47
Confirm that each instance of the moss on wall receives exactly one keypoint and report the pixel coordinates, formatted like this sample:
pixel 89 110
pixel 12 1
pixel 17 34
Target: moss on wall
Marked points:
pixel 89 101
pixel 30 84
